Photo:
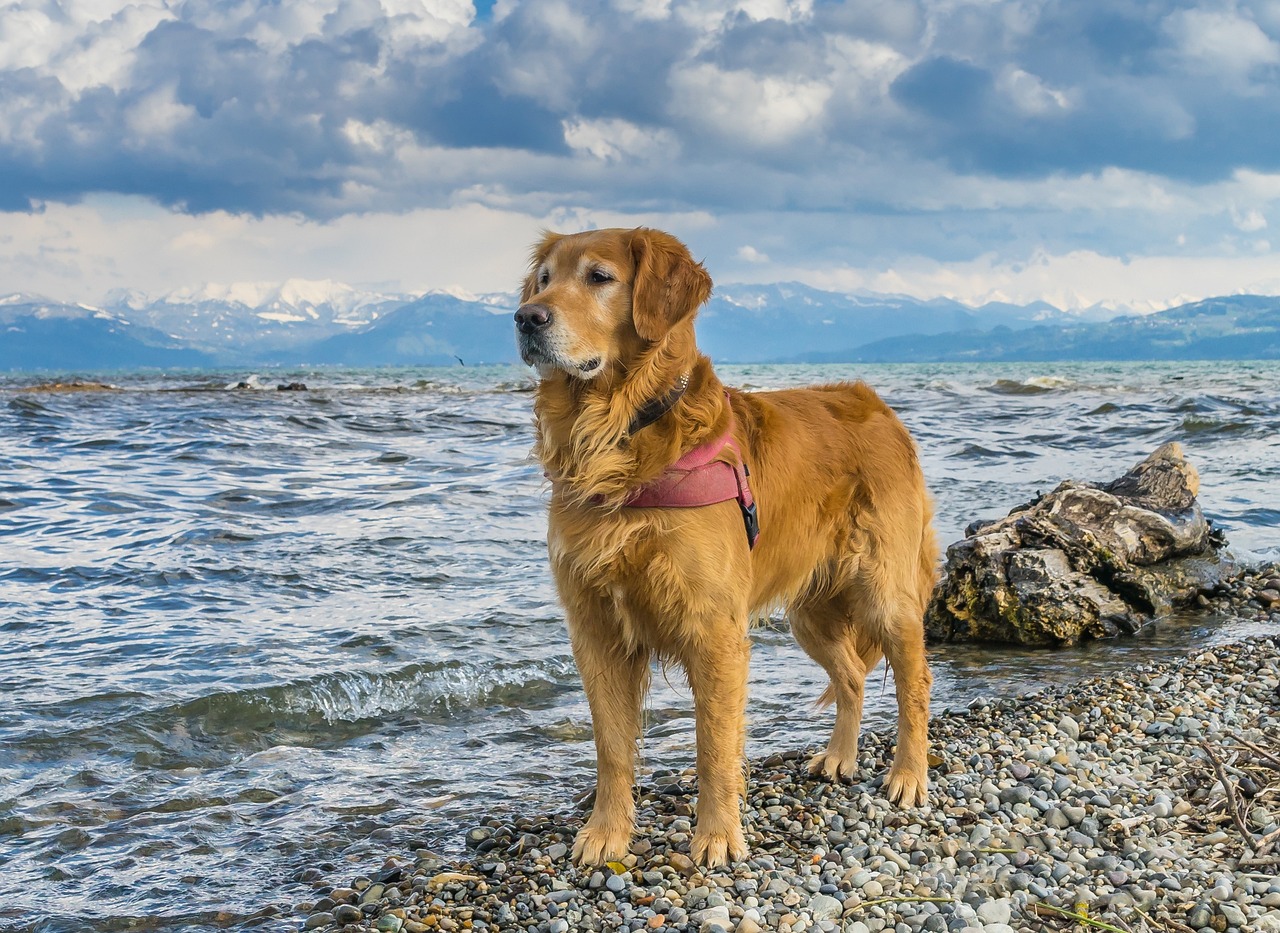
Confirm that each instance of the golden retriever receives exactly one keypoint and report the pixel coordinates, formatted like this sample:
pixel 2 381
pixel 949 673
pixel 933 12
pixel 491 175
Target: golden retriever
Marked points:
pixel 846 544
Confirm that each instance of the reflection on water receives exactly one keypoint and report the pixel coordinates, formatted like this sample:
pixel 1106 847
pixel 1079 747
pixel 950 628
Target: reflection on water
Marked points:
pixel 249 632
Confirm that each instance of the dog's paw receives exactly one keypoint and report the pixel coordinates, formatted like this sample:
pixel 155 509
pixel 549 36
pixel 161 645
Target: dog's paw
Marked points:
pixel 713 848
pixel 595 845
pixel 834 767
pixel 907 788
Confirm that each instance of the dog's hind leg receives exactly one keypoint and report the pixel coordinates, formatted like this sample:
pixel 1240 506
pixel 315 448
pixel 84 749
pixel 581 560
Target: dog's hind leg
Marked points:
pixel 615 680
pixel 828 634
pixel 902 584
pixel 903 642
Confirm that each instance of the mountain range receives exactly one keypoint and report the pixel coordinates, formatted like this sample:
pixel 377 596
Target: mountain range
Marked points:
pixel 1235 327
pixel 301 323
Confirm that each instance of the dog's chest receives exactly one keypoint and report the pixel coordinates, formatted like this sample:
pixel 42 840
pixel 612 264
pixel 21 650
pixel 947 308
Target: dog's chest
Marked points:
pixel 596 552
pixel 655 581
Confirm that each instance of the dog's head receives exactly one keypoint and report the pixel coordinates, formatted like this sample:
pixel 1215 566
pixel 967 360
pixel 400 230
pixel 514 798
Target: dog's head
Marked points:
pixel 600 299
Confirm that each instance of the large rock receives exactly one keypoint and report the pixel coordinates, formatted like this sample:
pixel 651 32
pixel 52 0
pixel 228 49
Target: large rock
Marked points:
pixel 1084 561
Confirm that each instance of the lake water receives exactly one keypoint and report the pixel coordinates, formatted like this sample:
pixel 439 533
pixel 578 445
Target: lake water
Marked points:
pixel 250 632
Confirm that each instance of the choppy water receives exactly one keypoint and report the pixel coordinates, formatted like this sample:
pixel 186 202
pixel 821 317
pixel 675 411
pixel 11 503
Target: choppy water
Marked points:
pixel 248 632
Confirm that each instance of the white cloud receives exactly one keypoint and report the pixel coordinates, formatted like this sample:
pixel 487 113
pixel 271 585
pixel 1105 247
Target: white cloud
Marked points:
pixel 1222 43
pixel 1248 221
pixel 156 116
pixel 81 252
pixel 745 107
pixel 1074 280
pixel 1030 95
pixel 86 45
pixel 379 136
pixel 784 10
pixel 645 9
pixel 708 15
pixel 615 140
pixel 861 71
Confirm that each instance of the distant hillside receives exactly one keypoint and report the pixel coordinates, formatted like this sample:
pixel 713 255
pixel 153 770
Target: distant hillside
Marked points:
pixel 762 323
pixel 1235 327
pixel 434 330
pixel 42 335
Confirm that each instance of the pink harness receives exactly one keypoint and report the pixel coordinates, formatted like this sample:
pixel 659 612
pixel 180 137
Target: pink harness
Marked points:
pixel 698 479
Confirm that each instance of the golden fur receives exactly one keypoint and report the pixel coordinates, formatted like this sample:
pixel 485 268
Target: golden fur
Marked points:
pixel 846 545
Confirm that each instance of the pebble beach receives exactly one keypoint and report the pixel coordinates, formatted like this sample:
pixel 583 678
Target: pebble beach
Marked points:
pixel 1150 802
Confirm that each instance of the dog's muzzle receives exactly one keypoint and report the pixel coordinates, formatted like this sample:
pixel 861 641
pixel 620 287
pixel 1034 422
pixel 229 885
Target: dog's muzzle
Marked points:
pixel 532 318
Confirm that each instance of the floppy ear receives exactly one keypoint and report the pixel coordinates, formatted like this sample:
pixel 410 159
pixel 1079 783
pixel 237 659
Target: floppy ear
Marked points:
pixel 536 258
pixel 668 285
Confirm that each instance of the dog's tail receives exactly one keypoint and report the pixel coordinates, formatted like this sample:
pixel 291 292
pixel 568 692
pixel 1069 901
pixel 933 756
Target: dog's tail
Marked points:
pixel 928 558
pixel 828 697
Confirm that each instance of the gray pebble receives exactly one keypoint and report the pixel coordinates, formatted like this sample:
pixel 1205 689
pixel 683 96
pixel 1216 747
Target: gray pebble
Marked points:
pixel 825 907
pixel 995 911
pixel 1018 793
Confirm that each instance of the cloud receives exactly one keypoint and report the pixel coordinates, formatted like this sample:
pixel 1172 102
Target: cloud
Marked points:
pixel 84 251
pixel 1222 43
pixel 248 107
pixel 618 140
pixel 746 109
pixel 1248 221
pixel 867 134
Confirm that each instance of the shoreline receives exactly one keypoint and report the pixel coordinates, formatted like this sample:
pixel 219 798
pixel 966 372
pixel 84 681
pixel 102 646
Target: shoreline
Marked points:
pixel 1103 799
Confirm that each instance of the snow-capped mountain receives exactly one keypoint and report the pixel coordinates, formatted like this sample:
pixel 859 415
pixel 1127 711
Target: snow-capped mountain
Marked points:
pixel 39 334
pixel 244 318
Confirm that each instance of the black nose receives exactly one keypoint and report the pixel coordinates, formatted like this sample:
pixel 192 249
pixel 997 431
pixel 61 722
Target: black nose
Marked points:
pixel 532 318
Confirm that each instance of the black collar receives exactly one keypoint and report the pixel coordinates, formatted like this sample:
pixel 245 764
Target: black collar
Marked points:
pixel 655 408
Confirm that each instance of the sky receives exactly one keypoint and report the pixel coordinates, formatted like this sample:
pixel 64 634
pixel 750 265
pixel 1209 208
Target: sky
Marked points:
pixel 1076 151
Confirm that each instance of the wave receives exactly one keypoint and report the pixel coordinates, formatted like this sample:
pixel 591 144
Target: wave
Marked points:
pixel 1035 385
pixel 1194 424
pixel 30 408
pixel 323 711
pixel 428 690
pixel 978 452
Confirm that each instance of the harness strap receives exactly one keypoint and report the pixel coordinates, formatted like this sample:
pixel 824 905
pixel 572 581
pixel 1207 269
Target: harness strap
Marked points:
pixel 698 479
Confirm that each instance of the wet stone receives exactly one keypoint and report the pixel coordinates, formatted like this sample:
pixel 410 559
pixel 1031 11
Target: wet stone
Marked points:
pixel 345 913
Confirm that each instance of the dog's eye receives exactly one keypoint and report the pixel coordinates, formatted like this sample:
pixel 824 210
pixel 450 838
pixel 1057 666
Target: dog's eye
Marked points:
pixel 599 277
pixel 543 278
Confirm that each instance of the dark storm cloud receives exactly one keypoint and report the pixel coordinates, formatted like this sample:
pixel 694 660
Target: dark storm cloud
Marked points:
pixel 323 108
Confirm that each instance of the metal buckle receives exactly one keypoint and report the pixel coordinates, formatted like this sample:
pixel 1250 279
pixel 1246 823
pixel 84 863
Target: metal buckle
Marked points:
pixel 752 521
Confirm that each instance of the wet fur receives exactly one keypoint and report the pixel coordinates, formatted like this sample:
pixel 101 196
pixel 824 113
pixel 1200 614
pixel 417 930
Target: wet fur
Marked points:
pixel 846 544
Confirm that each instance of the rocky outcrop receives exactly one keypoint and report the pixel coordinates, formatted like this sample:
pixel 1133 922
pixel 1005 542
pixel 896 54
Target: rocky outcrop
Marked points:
pixel 1085 561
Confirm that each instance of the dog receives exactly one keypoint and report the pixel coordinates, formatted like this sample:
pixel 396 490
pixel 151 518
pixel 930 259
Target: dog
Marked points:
pixel 833 483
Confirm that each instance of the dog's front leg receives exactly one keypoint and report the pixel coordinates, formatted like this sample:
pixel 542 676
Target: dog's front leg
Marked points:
pixel 615 681
pixel 717 669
